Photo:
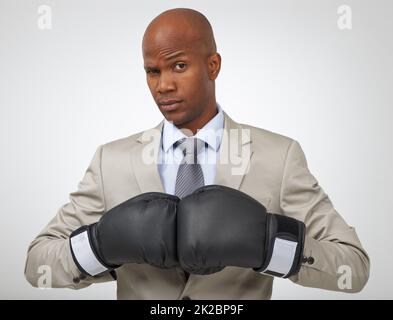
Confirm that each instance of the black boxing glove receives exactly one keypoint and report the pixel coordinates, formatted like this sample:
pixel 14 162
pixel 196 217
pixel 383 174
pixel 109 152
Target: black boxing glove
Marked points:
pixel 218 226
pixel 139 230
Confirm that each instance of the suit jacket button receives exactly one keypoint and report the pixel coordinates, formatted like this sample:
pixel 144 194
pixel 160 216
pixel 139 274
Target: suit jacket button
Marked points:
pixel 76 280
pixel 186 298
pixel 310 260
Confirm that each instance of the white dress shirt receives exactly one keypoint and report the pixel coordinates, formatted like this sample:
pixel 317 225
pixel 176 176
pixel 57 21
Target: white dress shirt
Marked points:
pixel 170 157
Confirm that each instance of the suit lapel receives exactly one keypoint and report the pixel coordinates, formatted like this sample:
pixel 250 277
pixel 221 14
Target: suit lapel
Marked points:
pixel 235 154
pixel 144 159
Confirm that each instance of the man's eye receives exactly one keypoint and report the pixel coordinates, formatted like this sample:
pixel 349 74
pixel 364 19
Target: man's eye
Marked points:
pixel 181 66
pixel 152 71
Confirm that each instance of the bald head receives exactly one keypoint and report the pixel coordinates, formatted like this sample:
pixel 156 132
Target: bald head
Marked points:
pixel 183 27
pixel 181 63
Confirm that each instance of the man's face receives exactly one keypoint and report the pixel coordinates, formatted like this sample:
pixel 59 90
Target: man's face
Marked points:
pixel 177 76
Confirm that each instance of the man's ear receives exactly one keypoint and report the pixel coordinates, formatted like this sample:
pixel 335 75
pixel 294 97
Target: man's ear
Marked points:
pixel 214 65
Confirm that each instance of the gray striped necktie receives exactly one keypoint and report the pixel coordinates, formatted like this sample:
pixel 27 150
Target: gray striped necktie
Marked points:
pixel 189 175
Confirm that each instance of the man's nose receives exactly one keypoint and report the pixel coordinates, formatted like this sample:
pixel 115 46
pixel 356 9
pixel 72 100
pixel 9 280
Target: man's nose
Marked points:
pixel 165 83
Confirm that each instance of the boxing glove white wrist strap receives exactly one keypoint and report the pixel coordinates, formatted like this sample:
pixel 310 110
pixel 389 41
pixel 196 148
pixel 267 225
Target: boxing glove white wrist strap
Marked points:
pixel 80 245
pixel 282 257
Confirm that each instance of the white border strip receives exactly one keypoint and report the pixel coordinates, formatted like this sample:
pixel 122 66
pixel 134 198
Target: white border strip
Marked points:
pixel 85 255
pixel 282 257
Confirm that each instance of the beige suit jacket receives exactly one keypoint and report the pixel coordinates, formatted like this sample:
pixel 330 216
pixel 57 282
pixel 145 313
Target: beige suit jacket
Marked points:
pixel 277 176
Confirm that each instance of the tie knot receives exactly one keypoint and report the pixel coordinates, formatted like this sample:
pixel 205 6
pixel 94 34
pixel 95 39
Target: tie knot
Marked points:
pixel 190 148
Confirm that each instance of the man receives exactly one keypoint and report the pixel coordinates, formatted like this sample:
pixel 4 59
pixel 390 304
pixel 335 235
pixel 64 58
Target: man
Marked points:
pixel 181 227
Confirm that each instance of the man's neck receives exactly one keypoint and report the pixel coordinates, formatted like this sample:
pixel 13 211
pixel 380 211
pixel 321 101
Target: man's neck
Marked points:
pixel 201 121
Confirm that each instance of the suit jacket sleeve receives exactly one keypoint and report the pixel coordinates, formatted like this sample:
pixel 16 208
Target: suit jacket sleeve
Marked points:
pixel 51 247
pixel 339 261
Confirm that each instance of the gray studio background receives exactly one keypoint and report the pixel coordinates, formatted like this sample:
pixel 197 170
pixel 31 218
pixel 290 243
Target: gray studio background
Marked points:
pixel 286 67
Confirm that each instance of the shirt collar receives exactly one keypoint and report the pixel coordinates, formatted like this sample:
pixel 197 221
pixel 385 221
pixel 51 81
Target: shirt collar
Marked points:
pixel 211 133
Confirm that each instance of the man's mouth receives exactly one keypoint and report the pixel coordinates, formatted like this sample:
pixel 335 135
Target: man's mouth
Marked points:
pixel 169 105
